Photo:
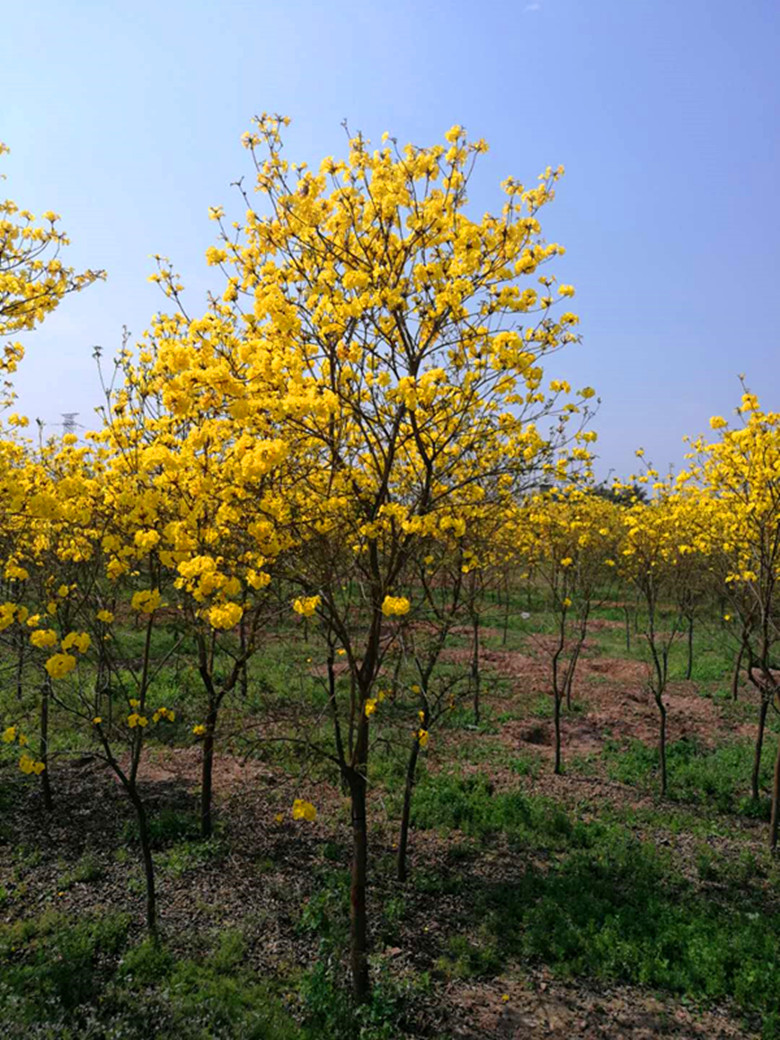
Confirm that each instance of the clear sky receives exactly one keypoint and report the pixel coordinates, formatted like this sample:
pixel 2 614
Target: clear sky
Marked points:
pixel 126 118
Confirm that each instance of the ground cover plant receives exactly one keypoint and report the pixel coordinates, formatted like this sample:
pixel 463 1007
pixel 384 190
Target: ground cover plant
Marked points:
pixel 338 699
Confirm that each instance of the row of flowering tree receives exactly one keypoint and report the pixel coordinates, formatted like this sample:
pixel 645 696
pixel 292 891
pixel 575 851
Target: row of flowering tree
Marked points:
pixel 361 398
pixel 357 431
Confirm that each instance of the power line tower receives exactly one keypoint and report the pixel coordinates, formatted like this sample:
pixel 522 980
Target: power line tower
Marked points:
pixel 69 423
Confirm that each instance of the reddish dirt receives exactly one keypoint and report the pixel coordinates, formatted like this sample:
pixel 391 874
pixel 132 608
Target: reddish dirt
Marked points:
pixel 183 765
pixel 543 1007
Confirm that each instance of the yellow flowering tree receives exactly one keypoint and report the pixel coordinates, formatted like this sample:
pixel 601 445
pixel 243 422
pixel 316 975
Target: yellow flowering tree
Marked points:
pixel 409 383
pixel 33 279
pixel 199 464
pixel 659 540
pixel 569 540
pixel 739 473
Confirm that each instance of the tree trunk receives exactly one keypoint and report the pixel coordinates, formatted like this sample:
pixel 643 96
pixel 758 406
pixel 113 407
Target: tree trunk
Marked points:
pixel 557 717
pixel 244 678
pixel 628 627
pixel 662 743
pixel 775 803
pixel 759 745
pixel 475 667
pixel 403 840
pixel 20 667
pixel 44 749
pixel 506 613
pixel 358 917
pixel 689 668
pixel 207 769
pixel 735 674
pixel 146 852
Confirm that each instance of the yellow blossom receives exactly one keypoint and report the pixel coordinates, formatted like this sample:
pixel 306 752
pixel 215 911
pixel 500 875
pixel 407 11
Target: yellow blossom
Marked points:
pixel 306 605
pixel 303 810
pixel 59 665
pixel 146 601
pixel 393 606
pixel 43 637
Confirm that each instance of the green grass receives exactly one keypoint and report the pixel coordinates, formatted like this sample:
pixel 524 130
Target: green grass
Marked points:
pixel 719 777
pixel 88 869
pixel 165 827
pixel 80 979
pixel 602 904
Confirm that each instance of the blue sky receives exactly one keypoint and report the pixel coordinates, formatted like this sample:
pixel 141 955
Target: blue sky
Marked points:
pixel 126 118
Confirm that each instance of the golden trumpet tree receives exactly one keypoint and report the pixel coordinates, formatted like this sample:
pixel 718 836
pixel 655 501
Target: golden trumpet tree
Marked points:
pixel 33 279
pixel 660 537
pixel 404 339
pixel 739 474
pixel 568 539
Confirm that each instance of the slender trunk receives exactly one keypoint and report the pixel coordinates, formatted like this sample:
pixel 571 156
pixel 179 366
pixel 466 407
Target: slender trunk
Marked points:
pixel 662 742
pixel 20 668
pixel 44 748
pixel 735 673
pixel 557 716
pixel 689 668
pixel 506 613
pixel 358 917
pixel 146 852
pixel 775 803
pixel 207 768
pixel 628 627
pixel 759 745
pixel 244 678
pixel 572 668
pixel 403 840
pixel 475 667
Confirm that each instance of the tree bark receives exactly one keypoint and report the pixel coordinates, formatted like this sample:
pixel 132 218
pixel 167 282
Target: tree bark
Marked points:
pixel 44 750
pixel 759 745
pixel 689 668
pixel 735 673
pixel 358 917
pixel 475 679
pixel 207 770
pixel 662 743
pixel 403 839
pixel 146 852
pixel 557 717
pixel 775 820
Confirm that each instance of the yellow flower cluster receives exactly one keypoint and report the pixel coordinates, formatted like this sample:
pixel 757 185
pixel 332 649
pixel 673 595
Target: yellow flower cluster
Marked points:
pixel 225 615
pixel 78 640
pixel 60 665
pixel 395 606
pixel 303 810
pixel 306 605
pixel 146 601
pixel 43 637
pixel 30 765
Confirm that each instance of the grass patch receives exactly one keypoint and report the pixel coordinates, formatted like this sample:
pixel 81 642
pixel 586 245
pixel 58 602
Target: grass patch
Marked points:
pixel 717 777
pixel 618 911
pixel 79 981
